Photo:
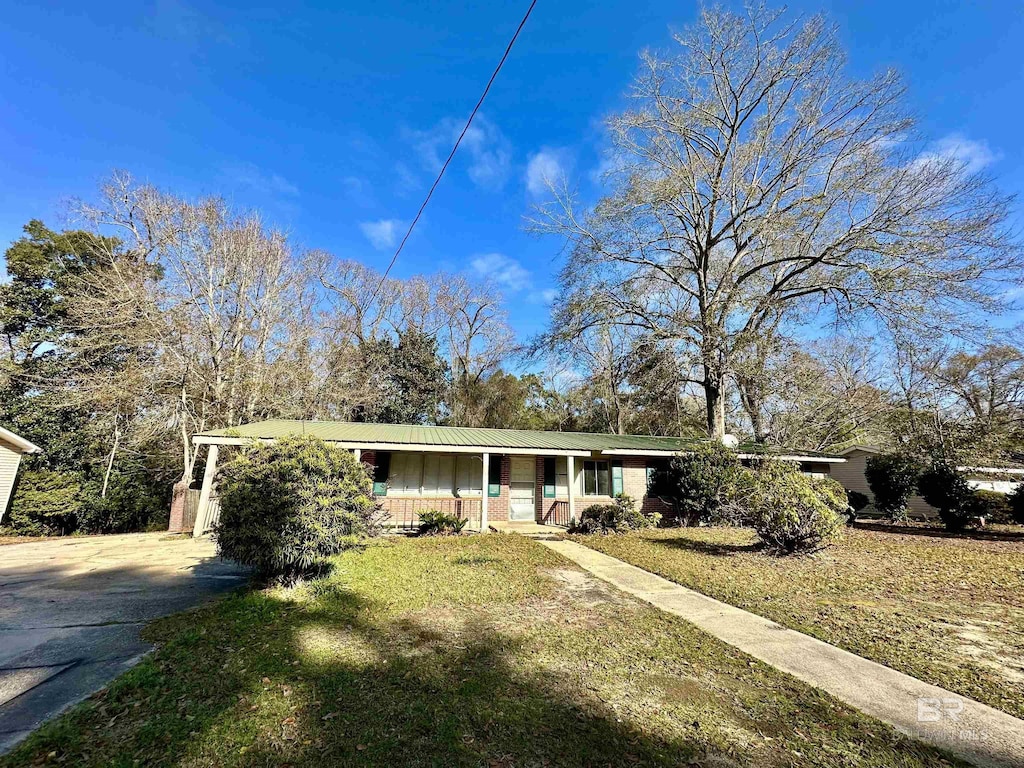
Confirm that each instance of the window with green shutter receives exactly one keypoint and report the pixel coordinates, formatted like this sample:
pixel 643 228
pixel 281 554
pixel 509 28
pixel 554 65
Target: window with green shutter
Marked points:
pixel 494 476
pixel 549 477
pixel 380 473
pixel 616 478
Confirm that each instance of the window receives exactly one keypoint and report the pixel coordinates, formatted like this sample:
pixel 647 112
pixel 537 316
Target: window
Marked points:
pixel 597 478
pixel 437 474
pixel 561 476
pixel 494 475
pixel 469 474
pixel 406 472
pixel 653 467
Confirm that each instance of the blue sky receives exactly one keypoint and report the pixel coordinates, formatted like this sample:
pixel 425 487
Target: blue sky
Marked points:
pixel 330 118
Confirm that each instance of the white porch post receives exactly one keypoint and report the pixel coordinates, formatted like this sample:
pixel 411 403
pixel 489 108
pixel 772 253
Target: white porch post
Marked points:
pixel 202 512
pixel 358 453
pixel 570 468
pixel 483 492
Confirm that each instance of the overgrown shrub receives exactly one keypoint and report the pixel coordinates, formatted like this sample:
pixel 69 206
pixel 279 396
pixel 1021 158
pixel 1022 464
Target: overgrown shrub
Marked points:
pixel 621 516
pixel 45 503
pixel 435 523
pixel 792 512
pixel 993 506
pixel 944 487
pixel 1016 502
pixel 699 484
pixel 893 480
pixel 133 502
pixel 287 505
pixel 855 502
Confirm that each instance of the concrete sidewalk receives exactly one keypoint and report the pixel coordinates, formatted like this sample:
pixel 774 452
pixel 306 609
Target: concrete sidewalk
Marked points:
pixel 967 728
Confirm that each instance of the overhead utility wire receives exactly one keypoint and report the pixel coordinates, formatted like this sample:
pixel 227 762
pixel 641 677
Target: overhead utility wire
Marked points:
pixel 458 141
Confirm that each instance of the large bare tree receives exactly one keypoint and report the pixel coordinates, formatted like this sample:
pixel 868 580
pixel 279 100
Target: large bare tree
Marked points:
pixel 201 303
pixel 755 183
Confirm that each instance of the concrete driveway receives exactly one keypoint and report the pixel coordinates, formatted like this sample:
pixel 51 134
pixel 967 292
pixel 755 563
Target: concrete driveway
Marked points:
pixel 71 611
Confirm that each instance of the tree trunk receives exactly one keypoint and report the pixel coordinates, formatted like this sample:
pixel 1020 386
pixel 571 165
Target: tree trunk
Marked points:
pixel 753 405
pixel 110 460
pixel 714 399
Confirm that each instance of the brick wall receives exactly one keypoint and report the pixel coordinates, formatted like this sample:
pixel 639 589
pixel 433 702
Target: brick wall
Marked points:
pixel 178 499
pixel 497 506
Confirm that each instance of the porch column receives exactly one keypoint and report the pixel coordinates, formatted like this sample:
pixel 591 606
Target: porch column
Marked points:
pixel 203 509
pixel 483 492
pixel 570 468
pixel 358 453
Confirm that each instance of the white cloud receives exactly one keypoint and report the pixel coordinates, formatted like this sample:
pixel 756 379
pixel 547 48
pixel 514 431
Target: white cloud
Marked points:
pixel 407 181
pixel 262 181
pixel 973 155
pixel 382 234
pixel 488 150
pixel 547 296
pixel 502 270
pixel 545 169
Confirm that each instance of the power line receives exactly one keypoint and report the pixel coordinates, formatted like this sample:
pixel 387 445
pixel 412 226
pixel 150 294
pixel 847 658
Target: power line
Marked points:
pixel 455 148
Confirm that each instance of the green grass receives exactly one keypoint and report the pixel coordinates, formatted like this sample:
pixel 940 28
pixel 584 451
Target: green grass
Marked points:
pixel 471 651
pixel 948 610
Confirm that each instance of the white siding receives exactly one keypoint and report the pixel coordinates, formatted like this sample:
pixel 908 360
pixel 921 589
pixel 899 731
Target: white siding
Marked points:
pixel 851 476
pixel 9 459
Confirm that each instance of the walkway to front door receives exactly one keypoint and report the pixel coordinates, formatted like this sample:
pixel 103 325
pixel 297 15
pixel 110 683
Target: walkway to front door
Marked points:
pixel 522 488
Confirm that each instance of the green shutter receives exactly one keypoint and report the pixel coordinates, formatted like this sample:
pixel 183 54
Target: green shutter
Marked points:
pixel 616 478
pixel 380 473
pixel 549 477
pixel 494 476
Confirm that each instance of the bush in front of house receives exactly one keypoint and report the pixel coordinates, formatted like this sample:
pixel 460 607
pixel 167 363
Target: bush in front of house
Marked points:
pixel 993 506
pixel 791 512
pixel 944 487
pixel 286 506
pixel 436 523
pixel 699 484
pixel 893 480
pixel 1016 502
pixel 619 517
pixel 855 501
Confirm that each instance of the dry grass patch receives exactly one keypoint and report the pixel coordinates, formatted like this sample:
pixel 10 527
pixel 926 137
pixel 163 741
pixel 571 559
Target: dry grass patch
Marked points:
pixel 482 651
pixel 948 610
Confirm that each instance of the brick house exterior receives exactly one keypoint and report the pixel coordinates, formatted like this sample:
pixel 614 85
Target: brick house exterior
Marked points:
pixel 469 472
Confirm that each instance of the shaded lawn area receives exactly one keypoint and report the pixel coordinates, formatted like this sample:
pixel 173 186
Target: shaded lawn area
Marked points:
pixel 948 610
pixel 472 651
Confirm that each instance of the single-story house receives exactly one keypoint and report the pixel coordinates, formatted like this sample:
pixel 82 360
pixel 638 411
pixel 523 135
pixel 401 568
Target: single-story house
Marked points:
pixel 851 475
pixel 490 476
pixel 12 448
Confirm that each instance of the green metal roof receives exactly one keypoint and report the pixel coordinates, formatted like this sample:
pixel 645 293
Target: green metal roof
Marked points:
pixel 464 437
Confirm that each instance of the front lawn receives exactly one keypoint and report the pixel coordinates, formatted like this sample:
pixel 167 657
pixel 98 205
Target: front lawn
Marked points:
pixel 945 609
pixel 472 651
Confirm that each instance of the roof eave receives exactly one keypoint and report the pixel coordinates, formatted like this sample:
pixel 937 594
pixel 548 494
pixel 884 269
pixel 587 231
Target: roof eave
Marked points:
pixel 19 442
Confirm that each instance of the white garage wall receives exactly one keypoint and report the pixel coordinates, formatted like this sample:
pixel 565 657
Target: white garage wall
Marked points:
pixel 9 459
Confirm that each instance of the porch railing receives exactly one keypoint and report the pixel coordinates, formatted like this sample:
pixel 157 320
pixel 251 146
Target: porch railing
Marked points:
pixel 404 513
pixel 557 514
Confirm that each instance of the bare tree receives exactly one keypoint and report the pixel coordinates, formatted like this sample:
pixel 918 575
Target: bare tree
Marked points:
pixel 203 302
pixel 755 180
pixel 821 395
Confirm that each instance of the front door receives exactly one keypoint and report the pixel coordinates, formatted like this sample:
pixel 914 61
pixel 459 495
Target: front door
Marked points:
pixel 522 488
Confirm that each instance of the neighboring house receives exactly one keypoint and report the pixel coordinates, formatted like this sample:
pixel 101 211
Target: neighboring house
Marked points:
pixel 12 447
pixel 851 475
pixel 487 475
